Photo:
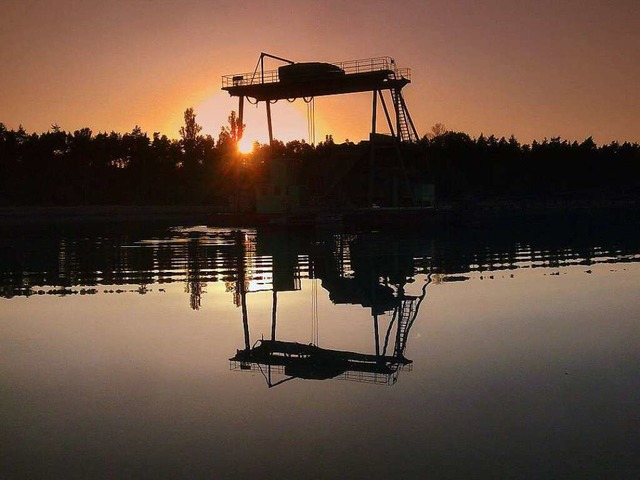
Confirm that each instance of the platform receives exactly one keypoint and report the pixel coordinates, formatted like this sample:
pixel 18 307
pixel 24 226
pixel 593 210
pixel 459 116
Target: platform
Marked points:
pixel 310 361
pixel 364 75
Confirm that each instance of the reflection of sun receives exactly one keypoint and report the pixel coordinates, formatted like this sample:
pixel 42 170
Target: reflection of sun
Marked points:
pixel 289 119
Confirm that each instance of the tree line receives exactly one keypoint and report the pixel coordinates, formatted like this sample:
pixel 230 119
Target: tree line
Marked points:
pixel 82 168
pixel 494 168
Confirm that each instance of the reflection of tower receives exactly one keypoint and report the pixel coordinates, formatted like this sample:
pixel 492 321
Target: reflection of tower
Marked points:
pixel 370 285
pixel 308 361
pixel 252 261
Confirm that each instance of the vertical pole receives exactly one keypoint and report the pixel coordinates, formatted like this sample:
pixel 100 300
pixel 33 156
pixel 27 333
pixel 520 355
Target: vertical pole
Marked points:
pixel 372 153
pixel 245 317
pixel 269 122
pixel 373 114
pixel 240 117
pixel 386 114
pixel 374 279
pixel 377 334
pixel 243 291
pixel 267 101
pixel 273 314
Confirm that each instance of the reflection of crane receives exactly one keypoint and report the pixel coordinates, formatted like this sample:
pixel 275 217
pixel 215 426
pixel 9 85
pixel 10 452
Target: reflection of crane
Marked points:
pixel 309 361
pixel 297 360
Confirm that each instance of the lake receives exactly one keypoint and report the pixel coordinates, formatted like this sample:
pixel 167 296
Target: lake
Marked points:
pixel 147 350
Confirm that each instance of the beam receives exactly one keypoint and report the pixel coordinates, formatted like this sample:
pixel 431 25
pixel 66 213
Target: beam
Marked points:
pixel 349 83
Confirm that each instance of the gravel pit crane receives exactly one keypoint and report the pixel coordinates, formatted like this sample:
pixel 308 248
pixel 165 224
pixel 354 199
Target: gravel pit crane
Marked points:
pixel 307 80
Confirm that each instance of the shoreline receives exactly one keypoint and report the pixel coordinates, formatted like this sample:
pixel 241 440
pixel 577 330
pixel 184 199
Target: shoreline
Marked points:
pixel 374 217
pixel 103 213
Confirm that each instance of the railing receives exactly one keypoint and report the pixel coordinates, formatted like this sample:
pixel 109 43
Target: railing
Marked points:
pixel 350 67
pixel 235 365
pixel 349 375
pixel 373 377
pixel 375 64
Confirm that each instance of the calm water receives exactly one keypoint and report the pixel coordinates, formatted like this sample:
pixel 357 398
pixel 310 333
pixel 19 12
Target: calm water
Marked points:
pixel 508 351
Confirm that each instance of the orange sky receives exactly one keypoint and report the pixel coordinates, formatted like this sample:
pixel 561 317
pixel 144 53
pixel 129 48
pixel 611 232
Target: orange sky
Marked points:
pixel 534 69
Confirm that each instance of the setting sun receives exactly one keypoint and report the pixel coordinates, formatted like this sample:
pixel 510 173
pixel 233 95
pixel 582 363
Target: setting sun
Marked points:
pixel 245 145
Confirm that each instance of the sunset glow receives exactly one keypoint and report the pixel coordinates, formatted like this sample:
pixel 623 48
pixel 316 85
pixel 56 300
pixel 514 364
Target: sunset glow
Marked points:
pixel 533 70
pixel 289 119
pixel 319 239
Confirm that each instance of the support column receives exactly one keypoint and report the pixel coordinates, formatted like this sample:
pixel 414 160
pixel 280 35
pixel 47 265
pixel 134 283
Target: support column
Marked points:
pixel 240 117
pixel 240 286
pixel 269 123
pixel 373 112
pixel 245 318
pixel 372 153
pixel 376 333
pixel 386 114
pixel 274 309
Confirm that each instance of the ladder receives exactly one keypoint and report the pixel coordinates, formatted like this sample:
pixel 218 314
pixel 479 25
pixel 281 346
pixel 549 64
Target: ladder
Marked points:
pixel 406 131
pixel 407 314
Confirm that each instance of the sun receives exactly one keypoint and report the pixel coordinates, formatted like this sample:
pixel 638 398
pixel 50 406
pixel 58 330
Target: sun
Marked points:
pixel 245 145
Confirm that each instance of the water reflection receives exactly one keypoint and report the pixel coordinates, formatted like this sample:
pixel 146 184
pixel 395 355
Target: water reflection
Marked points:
pixel 376 270
pixel 93 261
pixel 116 348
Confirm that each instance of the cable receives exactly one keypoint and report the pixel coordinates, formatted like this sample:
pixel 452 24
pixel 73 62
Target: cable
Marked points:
pixel 311 119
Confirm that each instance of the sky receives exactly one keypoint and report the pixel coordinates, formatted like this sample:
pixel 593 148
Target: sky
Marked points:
pixel 532 69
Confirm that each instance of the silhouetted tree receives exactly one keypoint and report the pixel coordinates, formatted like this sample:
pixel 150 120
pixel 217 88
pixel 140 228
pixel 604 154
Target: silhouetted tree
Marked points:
pixel 61 168
pixel 191 129
pixel 230 134
pixel 437 130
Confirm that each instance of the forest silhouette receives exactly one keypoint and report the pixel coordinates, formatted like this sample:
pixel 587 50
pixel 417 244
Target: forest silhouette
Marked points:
pixel 82 168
